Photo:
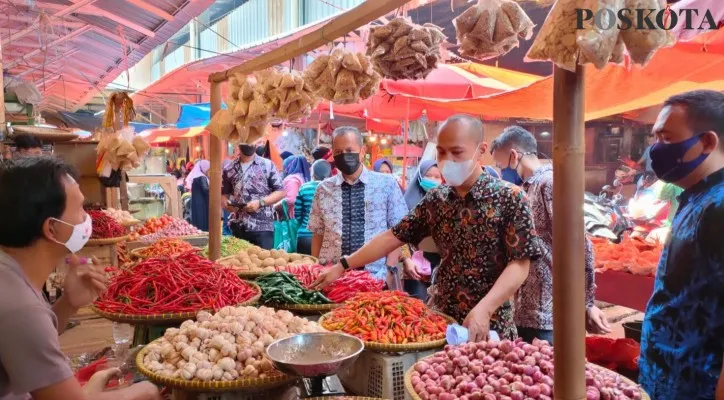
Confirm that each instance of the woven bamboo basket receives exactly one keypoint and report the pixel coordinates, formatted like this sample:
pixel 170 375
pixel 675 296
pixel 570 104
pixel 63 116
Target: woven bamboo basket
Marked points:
pixel 414 396
pixel 45 134
pixel 105 242
pixel 250 384
pixel 131 222
pixel 165 319
pixel 256 273
pixel 401 348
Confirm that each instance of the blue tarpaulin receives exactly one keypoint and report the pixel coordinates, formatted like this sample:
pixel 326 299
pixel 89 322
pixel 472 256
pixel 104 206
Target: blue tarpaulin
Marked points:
pixel 87 121
pixel 192 115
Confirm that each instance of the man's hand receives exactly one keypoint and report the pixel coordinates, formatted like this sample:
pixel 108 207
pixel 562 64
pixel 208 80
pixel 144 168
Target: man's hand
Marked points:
pixel 596 321
pixel 327 277
pixel 252 206
pixel 98 382
pixel 410 269
pixel 231 209
pixel 83 283
pixel 478 323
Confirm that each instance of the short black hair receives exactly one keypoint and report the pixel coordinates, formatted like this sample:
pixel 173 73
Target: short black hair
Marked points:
pixel 32 191
pixel 343 130
pixel 704 111
pixel 515 137
pixel 26 142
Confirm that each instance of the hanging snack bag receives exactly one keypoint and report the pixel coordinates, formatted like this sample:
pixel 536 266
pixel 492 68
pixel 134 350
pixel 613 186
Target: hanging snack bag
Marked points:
pixel 597 45
pixel 643 43
pixel 557 40
pixel 492 28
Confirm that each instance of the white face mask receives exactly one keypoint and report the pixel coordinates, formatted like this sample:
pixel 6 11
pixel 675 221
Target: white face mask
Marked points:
pixel 80 236
pixel 456 172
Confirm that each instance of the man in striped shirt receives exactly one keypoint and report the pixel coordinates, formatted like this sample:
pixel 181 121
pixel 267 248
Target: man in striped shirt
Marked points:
pixel 321 170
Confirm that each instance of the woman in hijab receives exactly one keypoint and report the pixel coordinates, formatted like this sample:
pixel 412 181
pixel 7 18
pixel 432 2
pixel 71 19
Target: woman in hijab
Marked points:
pixel 198 183
pixel 383 166
pixel 420 265
pixel 297 171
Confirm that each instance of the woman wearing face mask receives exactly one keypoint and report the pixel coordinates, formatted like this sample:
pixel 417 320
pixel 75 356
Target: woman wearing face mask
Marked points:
pixel 483 227
pixel 42 221
pixel 419 265
pixel 198 184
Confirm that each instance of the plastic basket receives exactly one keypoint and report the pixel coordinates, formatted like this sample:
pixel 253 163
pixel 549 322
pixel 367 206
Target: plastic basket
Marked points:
pixel 380 375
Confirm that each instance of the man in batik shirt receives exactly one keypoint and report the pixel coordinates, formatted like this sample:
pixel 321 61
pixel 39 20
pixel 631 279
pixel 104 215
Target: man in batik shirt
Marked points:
pixel 515 153
pixel 250 187
pixel 482 227
pixel 682 340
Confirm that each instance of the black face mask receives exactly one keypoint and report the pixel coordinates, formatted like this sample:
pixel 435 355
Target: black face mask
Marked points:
pixel 247 149
pixel 347 163
pixel 260 151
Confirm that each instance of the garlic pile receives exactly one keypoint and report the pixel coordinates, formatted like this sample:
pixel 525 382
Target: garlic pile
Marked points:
pixel 403 50
pixel 225 346
pixel 492 28
pixel 342 77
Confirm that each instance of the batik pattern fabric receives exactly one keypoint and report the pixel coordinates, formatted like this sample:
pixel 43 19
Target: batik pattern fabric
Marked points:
pixel 383 207
pixel 534 300
pixel 258 181
pixel 477 236
pixel 682 339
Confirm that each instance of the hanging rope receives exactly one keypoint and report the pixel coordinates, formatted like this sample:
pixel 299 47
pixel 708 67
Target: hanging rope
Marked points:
pixel 124 55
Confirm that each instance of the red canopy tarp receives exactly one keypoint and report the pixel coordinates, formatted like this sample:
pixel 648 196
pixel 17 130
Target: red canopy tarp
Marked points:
pixel 389 126
pixel 162 135
pixel 449 82
pixel 613 90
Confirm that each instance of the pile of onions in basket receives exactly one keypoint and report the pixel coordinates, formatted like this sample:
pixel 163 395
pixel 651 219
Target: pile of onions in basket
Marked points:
pixel 506 371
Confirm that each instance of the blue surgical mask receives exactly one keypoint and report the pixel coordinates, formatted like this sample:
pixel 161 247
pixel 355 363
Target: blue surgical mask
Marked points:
pixel 428 184
pixel 510 174
pixel 667 159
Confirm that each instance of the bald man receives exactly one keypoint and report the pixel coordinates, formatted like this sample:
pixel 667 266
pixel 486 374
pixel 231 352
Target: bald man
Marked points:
pixel 482 227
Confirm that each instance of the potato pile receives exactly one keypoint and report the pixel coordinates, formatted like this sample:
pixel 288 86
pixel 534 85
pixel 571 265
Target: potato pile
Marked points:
pixel 342 77
pixel 225 346
pixel 403 50
pixel 560 42
pixel 492 28
pixel 256 259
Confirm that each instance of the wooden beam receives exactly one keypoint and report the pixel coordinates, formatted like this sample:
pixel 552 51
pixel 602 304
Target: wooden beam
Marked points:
pixel 49 46
pixel 152 9
pixel 215 157
pixel 65 11
pixel 342 24
pixel 569 279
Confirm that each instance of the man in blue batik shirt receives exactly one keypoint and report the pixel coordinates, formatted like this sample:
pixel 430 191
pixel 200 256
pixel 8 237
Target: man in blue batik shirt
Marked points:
pixel 682 343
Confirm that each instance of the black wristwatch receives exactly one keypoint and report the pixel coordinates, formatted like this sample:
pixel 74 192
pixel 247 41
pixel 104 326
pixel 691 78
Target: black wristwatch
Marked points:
pixel 344 263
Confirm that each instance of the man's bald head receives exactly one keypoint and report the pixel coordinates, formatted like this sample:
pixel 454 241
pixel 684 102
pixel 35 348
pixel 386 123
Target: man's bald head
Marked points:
pixel 463 123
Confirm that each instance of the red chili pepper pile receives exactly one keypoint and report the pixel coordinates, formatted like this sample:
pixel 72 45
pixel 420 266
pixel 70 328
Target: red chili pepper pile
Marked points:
pixel 387 317
pixel 341 290
pixel 186 282
pixel 167 247
pixel 104 226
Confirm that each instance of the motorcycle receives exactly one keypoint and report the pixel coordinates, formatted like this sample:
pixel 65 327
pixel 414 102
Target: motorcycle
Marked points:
pixel 605 216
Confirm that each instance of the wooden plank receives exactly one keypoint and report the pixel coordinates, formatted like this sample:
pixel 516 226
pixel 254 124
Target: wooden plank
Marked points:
pixel 344 23
pixel 215 153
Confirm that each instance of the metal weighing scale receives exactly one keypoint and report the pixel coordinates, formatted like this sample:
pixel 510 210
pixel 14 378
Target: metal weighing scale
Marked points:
pixel 316 358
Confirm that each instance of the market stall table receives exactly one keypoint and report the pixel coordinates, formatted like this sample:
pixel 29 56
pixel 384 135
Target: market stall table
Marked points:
pixel 624 289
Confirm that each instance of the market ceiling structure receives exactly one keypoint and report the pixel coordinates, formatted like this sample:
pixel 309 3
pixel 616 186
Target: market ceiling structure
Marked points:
pixel 73 49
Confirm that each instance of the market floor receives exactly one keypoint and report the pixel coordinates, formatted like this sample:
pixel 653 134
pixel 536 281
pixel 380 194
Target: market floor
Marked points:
pixel 95 333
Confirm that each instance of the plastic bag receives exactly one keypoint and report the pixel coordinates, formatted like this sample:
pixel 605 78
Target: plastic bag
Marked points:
pixel 643 43
pixel 597 45
pixel 557 40
pixel 491 28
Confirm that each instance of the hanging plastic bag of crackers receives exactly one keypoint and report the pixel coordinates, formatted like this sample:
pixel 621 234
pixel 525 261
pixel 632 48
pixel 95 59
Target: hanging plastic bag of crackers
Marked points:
pixel 492 28
pixel 642 44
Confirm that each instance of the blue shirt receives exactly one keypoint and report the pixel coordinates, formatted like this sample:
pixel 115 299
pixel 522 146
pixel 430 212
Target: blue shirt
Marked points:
pixel 303 207
pixel 682 342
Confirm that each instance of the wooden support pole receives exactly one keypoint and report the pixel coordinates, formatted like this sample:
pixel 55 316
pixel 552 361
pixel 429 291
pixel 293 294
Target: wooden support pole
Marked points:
pixel 215 160
pixel 569 302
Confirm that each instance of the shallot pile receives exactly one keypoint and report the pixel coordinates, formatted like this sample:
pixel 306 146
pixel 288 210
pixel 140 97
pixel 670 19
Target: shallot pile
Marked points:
pixel 506 371
pixel 174 229
pixel 224 347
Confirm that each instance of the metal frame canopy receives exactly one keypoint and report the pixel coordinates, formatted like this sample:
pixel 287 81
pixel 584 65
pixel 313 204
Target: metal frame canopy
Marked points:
pixel 72 49
pixel 568 159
